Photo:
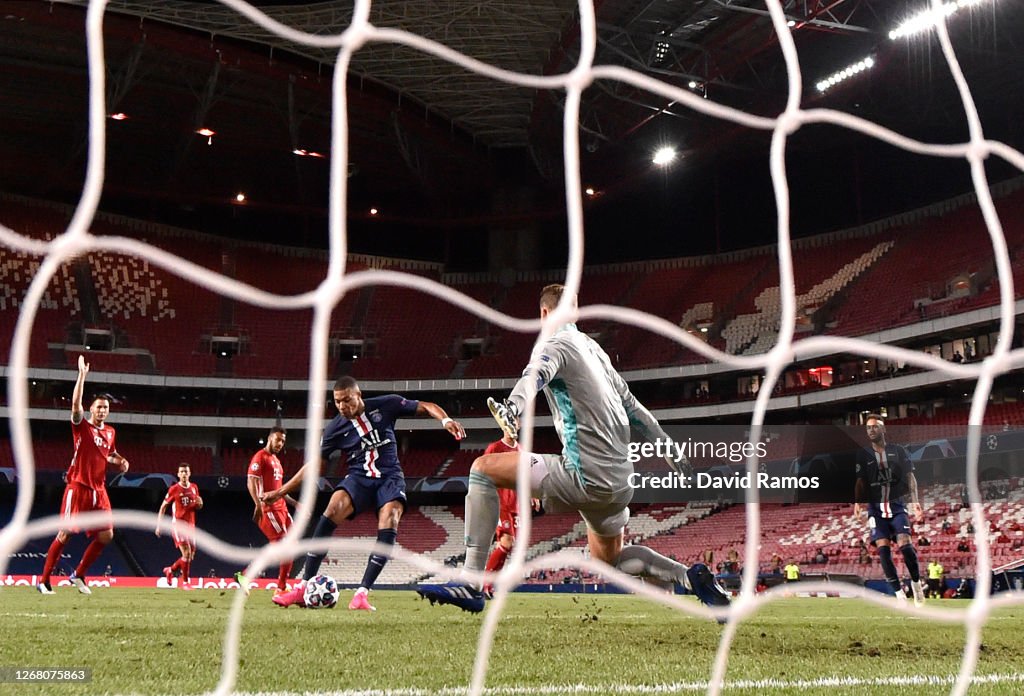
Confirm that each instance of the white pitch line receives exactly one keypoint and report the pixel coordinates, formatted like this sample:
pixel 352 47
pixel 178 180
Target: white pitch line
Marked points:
pixel 101 615
pixel 759 620
pixel 670 688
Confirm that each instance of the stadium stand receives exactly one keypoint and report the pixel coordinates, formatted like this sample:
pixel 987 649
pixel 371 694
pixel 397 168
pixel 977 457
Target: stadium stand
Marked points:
pixel 276 342
pixel 797 532
pixel 883 297
pixel 435 532
pixel 55 455
pixel 817 283
pixel 850 282
pixel 998 417
pixel 418 335
pixel 506 352
pixel 457 463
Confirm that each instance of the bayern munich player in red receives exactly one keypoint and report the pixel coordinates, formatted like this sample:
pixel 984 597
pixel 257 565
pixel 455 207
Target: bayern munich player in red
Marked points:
pixel 265 476
pixel 508 516
pixel 86 489
pixel 183 497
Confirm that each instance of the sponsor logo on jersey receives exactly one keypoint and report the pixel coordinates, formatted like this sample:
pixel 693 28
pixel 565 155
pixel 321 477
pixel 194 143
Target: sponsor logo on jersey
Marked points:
pixel 373 441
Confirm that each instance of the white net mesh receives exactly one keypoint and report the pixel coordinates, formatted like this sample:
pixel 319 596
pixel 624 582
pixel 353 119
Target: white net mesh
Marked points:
pixel 337 283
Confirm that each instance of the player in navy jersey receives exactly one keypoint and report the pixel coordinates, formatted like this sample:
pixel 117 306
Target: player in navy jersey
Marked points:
pixel 885 477
pixel 364 432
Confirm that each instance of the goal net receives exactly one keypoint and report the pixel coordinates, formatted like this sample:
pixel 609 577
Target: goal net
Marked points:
pixel 77 240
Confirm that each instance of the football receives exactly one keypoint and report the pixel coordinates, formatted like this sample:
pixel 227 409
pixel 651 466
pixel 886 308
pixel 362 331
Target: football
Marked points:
pixel 321 592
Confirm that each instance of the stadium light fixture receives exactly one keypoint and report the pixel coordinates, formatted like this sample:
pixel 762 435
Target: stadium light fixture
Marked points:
pixel 300 153
pixel 845 74
pixel 119 116
pixel 660 51
pixel 240 197
pixel 928 18
pixel 206 132
pixel 589 191
pixel 664 156
pixel 373 211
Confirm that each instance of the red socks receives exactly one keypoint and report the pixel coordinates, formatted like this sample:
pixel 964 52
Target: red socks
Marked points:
pixel 282 575
pixel 92 552
pixel 52 556
pixel 496 561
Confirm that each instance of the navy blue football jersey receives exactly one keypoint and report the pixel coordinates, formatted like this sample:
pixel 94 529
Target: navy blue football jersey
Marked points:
pixel 368 441
pixel 885 479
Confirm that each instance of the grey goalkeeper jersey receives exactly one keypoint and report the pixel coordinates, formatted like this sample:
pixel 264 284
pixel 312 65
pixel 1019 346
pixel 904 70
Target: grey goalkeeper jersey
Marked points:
pixel 591 405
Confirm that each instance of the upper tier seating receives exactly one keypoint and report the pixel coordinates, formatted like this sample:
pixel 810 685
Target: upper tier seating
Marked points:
pixel 163 322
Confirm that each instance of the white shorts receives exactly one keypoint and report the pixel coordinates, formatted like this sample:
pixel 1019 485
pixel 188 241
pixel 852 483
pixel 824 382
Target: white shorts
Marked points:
pixel 561 490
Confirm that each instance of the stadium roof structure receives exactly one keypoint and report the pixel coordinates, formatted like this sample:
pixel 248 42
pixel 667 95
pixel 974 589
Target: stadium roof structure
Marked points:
pixel 432 142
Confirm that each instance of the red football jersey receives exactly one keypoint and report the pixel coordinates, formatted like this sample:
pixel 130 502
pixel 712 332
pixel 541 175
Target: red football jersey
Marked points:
pixel 183 501
pixel 507 496
pixel 92 447
pixel 509 502
pixel 267 467
pixel 499 447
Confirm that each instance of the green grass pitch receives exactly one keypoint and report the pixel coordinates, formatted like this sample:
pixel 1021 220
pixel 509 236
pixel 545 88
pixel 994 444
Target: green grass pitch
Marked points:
pixel 169 642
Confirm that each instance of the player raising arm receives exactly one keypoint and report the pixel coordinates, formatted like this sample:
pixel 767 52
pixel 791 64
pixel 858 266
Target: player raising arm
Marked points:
pixel 86 488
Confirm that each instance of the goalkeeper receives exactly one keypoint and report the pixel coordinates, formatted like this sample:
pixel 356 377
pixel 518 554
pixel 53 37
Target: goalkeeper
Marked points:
pixel 592 409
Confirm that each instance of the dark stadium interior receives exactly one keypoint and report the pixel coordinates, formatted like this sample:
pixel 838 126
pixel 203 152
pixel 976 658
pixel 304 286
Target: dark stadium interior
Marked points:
pixel 467 181
pixel 452 172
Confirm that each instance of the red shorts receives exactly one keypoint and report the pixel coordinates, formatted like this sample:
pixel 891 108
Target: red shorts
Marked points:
pixel 274 523
pixel 184 535
pixel 78 499
pixel 507 524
